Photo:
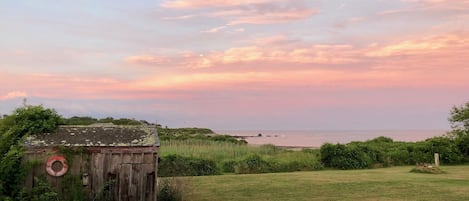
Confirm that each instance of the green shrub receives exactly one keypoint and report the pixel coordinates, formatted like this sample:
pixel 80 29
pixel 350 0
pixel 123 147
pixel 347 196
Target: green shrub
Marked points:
pixel 294 165
pixel 447 148
pixel 252 164
pixel 228 166
pixel 90 120
pixel 383 152
pixel 23 121
pixel 80 121
pixel 462 142
pixel 172 189
pixel 72 188
pixel 175 165
pixel 269 149
pixel 344 157
pixel 42 191
pixel 204 167
pixel 226 138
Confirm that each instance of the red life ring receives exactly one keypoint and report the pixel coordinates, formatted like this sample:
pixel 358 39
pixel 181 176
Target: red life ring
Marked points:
pixel 51 161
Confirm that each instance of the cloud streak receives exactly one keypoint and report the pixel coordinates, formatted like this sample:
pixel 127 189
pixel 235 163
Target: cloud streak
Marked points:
pixel 244 12
pixel 145 60
pixel 13 95
pixel 398 64
pixel 193 4
pixel 240 62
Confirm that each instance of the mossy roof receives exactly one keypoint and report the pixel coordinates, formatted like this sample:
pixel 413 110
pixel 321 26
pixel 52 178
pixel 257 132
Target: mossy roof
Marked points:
pixel 97 135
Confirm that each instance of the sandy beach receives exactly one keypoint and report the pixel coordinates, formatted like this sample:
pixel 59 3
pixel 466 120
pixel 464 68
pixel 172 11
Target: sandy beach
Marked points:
pixel 314 139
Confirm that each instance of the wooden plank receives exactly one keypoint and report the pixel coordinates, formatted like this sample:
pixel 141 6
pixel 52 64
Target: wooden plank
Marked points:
pixel 148 158
pixel 85 167
pixel 141 179
pixel 126 158
pixel 106 165
pixel 136 185
pixel 93 180
pixel 155 183
pixel 75 167
pixel 97 172
pixel 124 181
pixel 113 174
pixel 114 163
pixel 137 158
pixel 114 188
pixel 148 182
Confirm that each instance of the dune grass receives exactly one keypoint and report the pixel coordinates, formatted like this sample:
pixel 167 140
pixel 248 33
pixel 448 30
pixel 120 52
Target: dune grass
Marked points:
pixel 221 152
pixel 209 149
pixel 395 183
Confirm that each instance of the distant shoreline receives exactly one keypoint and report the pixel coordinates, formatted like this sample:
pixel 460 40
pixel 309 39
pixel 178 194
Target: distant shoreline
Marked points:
pixel 314 139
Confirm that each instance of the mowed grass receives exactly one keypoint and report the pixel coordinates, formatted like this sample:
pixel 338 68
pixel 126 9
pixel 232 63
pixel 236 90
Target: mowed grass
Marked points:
pixel 395 183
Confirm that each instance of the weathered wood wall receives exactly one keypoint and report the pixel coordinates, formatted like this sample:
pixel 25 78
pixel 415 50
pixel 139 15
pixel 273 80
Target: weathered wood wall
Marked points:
pixel 129 172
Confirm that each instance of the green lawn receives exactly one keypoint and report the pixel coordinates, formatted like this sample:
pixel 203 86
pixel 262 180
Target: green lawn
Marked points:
pixel 395 183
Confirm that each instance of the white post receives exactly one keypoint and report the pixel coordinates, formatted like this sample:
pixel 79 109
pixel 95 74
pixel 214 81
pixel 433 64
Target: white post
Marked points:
pixel 437 160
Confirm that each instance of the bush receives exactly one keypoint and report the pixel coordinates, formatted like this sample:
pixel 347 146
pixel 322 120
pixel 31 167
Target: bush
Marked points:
pixel 383 152
pixel 90 120
pixel 175 165
pixel 269 149
pixel 252 164
pixel 172 189
pixel 226 138
pixel 23 121
pixel 228 166
pixel 447 148
pixel 42 191
pixel 461 139
pixel 344 157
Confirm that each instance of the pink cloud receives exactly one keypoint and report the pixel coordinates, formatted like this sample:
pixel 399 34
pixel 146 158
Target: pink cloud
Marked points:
pixel 430 5
pixel 274 17
pixel 281 51
pixel 215 29
pixel 191 4
pixel 349 21
pixel 246 11
pixel 424 45
pixel 183 17
pixel 435 1
pixel 315 54
pixel 145 59
pixel 13 95
pixel 266 63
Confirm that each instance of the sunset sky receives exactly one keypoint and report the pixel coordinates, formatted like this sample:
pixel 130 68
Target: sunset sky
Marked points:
pixel 246 64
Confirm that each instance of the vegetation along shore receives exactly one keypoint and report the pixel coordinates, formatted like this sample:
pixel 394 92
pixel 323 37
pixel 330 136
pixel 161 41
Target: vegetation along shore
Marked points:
pixel 200 152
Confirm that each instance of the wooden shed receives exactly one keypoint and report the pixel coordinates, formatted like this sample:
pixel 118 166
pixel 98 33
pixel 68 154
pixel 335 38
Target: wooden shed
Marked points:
pixel 116 162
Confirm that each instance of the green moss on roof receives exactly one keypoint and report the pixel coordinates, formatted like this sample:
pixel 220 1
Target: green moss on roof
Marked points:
pixel 102 134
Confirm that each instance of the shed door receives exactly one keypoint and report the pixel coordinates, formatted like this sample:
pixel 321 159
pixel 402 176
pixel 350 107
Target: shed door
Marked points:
pixel 136 182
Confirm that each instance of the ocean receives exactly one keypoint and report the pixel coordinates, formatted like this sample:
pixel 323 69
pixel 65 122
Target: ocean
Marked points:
pixel 306 138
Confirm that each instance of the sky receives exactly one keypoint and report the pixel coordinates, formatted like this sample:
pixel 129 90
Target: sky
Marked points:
pixel 246 64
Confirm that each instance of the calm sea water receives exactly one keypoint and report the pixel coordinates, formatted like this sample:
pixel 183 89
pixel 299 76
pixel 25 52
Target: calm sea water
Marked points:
pixel 317 138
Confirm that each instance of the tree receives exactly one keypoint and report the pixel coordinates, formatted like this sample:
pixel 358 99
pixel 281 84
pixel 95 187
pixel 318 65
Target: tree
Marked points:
pixel 459 120
pixel 460 117
pixel 26 120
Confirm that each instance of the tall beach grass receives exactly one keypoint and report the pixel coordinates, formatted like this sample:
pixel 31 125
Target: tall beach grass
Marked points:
pixel 227 155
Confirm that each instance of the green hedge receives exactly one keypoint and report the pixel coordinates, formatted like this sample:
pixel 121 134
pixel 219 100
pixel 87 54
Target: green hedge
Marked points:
pixel 383 152
pixel 175 165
